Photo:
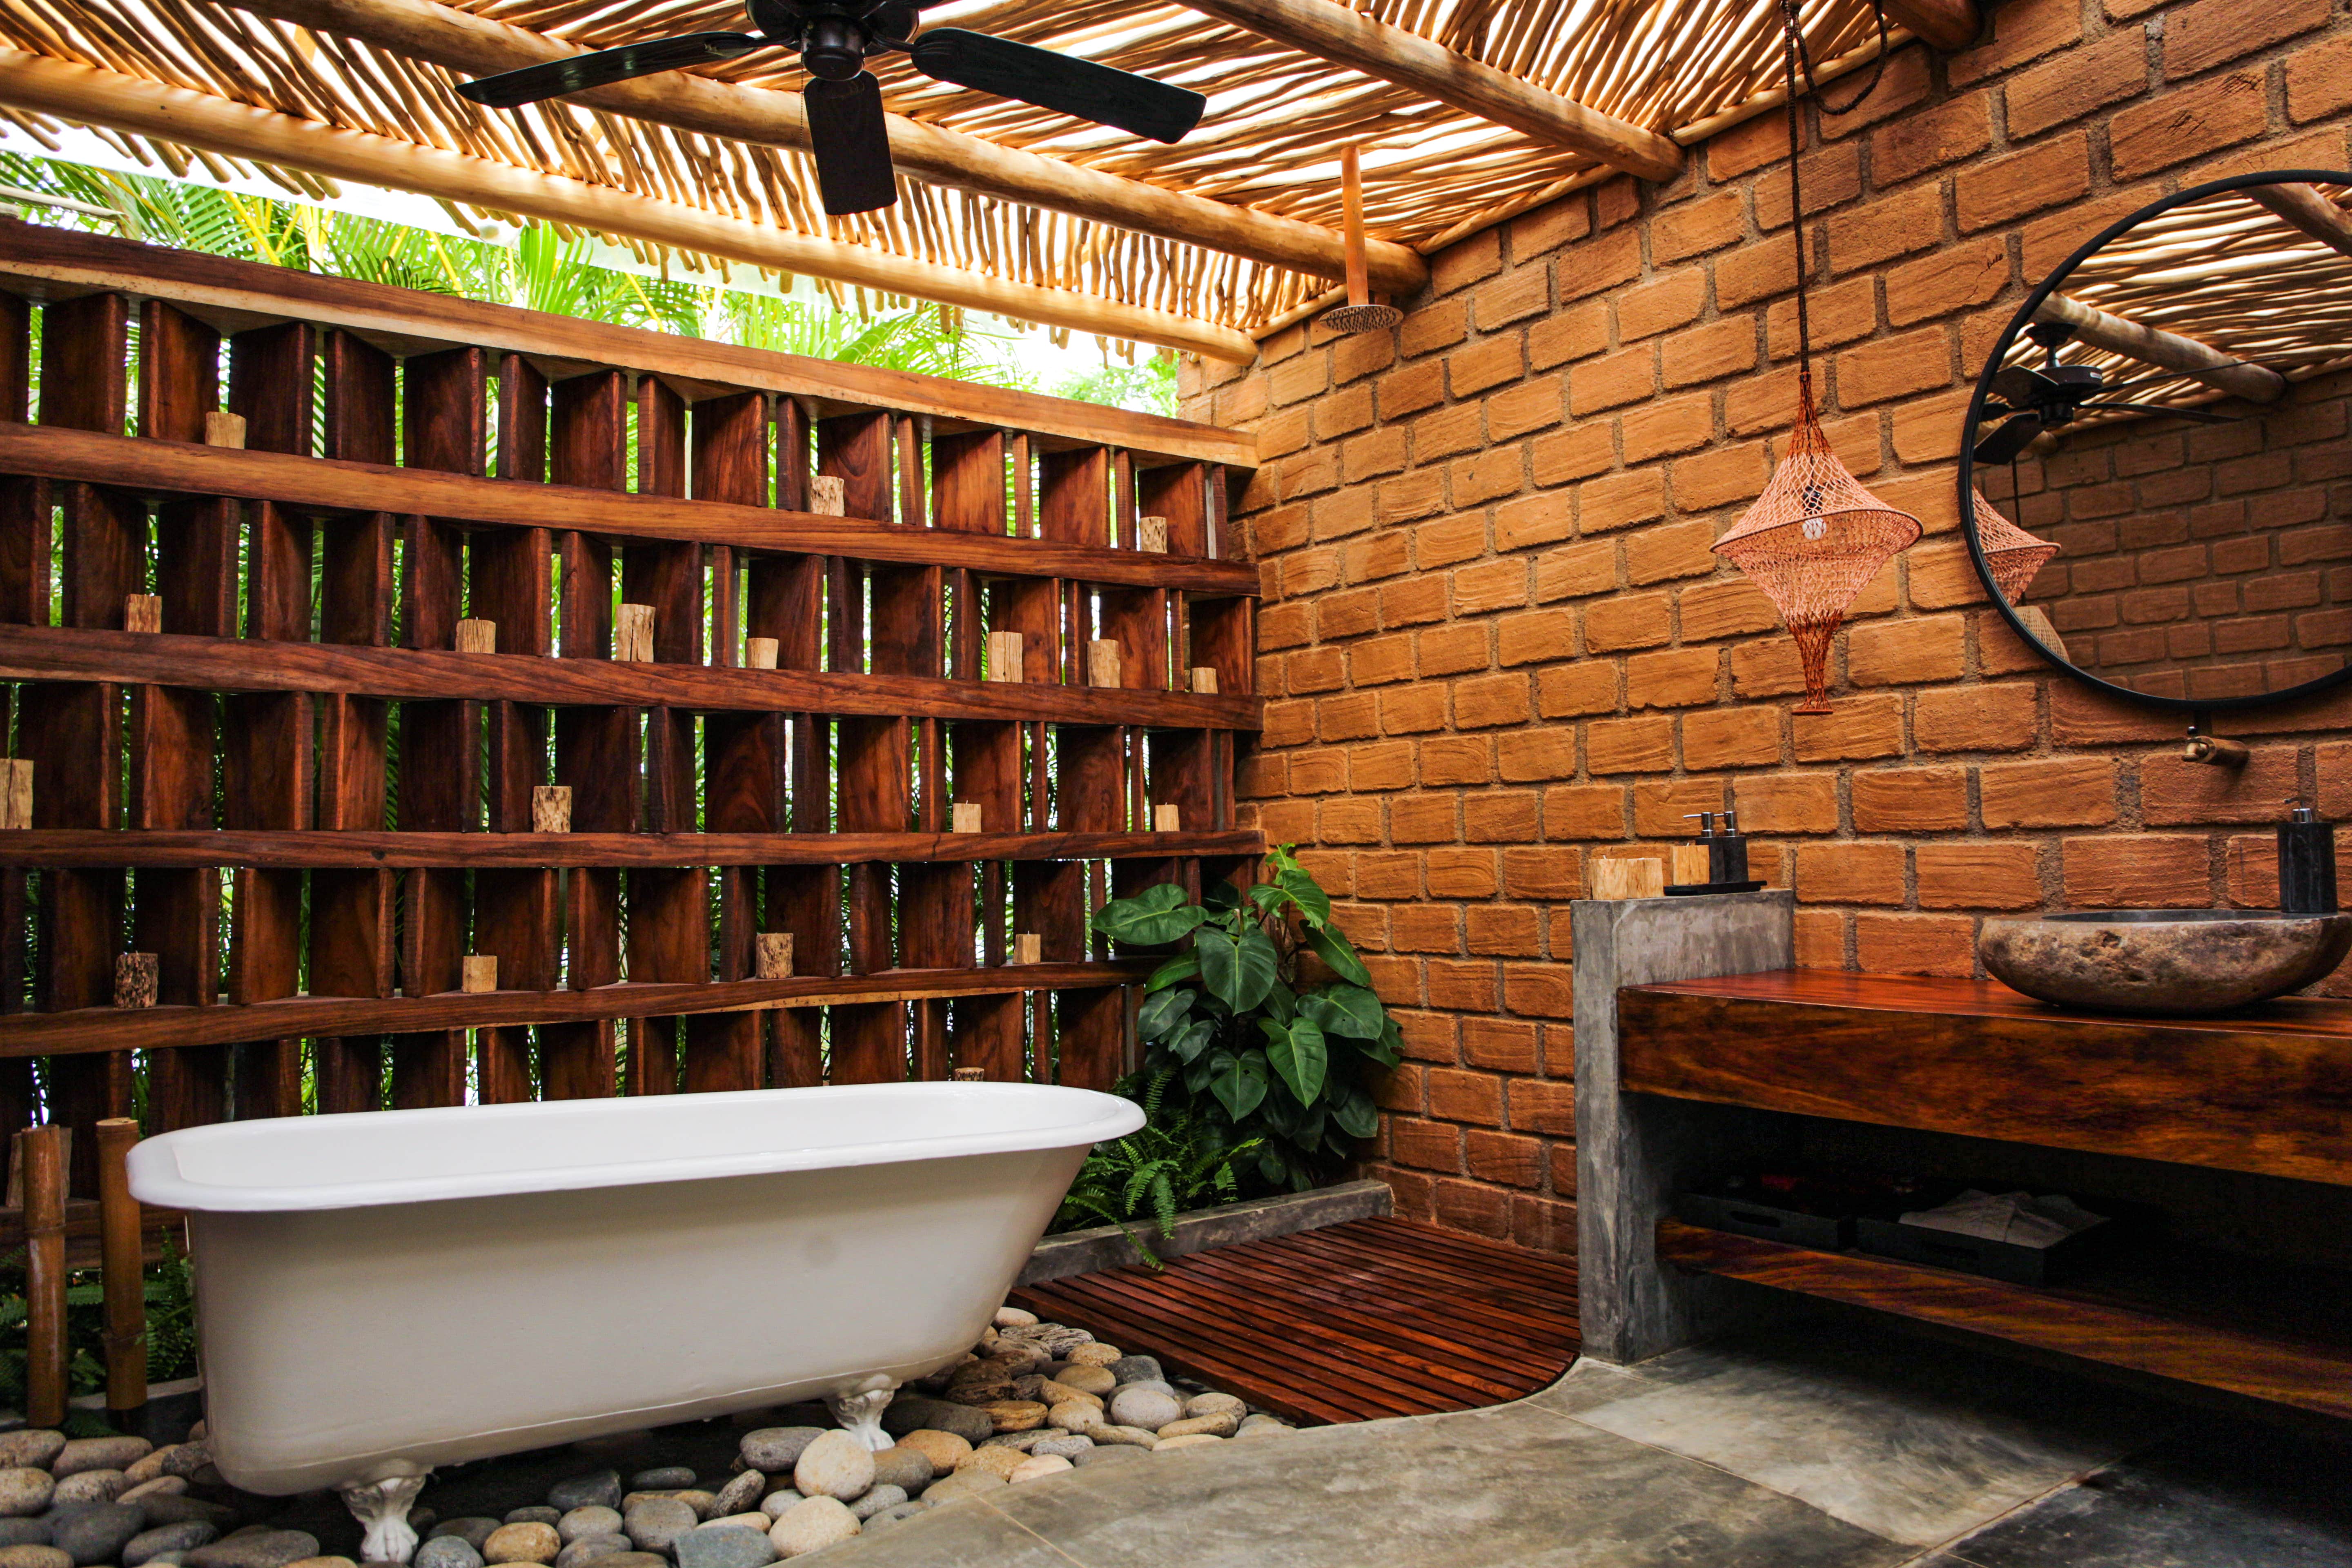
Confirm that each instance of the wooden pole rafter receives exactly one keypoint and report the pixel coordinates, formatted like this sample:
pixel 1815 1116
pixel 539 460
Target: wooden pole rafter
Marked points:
pixel 1945 24
pixel 2308 210
pixel 216 125
pixel 472 45
pixel 2166 351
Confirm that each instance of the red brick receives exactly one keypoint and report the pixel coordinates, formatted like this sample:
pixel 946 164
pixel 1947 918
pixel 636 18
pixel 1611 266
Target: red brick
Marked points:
pixel 1631 621
pixel 1853 729
pixel 1618 500
pixel 1729 607
pixel 1850 873
pixel 1537 991
pixel 1661 305
pixel 2077 82
pixel 2173 792
pixel 2021 30
pixel 2187 122
pixel 1914 944
pixel 1629 746
pixel 1500 1045
pixel 1958 278
pixel 2214 32
pixel 1910 800
pixel 1491 700
pixel 1430 1145
pixel 1510 1160
pixel 2054 792
pixel 1731 737
pixel 1895 367
pixel 1675 677
pixel 1612 382
pixel 1572 691
pixel 1720 348
pixel 1478 1211
pixel 1786 803
pixel 1992 718
pixel 1551 871
pixel 1480 255
pixel 2000 875
pixel 1542 1106
pixel 2137 871
pixel 1931 139
pixel 2006 189
pixel 1695 227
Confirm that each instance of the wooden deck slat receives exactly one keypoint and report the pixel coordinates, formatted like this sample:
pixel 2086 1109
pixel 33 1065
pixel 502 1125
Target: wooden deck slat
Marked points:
pixel 1373 1318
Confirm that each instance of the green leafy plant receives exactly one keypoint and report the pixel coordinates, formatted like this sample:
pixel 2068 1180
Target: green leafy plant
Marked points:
pixel 1233 1015
pixel 1180 1159
pixel 170 1287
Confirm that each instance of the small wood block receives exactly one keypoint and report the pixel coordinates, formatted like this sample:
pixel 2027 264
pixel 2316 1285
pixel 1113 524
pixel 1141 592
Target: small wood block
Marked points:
pixel 1204 679
pixel 550 808
pixel 1624 877
pixel 633 635
pixel 1167 819
pixel 970 1075
pixel 1004 655
pixel 135 976
pixel 1152 534
pixel 1689 865
pixel 17 793
pixel 1028 947
pixel 1102 662
pixel 478 636
pixel 223 429
pixel 828 496
pixel 759 653
pixel 480 973
pixel 966 818
pixel 773 954
pixel 142 613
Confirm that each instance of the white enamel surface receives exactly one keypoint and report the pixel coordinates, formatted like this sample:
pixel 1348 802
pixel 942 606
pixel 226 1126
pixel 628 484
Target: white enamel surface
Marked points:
pixel 452 1284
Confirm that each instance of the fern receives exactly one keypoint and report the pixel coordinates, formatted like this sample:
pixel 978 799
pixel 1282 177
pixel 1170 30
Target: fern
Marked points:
pixel 1179 1161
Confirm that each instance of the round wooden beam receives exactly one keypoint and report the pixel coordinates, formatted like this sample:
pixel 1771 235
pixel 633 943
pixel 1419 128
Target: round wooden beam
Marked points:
pixel 2166 351
pixel 473 46
pixel 2304 208
pixel 217 125
pixel 1945 24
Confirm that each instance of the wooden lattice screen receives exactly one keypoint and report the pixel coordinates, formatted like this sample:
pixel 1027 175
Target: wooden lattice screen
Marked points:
pixel 263 750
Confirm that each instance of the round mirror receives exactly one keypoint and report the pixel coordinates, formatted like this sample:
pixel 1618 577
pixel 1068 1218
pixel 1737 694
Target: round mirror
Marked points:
pixel 2157 472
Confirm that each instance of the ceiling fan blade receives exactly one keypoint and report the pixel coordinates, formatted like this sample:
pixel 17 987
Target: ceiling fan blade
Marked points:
pixel 851 142
pixel 2198 416
pixel 2022 387
pixel 2013 438
pixel 553 79
pixel 1100 93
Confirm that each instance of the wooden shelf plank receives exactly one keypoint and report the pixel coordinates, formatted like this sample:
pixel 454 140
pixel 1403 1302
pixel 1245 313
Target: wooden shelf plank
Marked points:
pixel 2309 1374
pixel 90 1030
pixel 402 851
pixel 325 486
pixel 2268 1090
pixel 233 663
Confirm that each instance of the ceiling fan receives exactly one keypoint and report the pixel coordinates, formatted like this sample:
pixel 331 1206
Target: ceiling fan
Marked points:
pixel 2051 397
pixel 847 132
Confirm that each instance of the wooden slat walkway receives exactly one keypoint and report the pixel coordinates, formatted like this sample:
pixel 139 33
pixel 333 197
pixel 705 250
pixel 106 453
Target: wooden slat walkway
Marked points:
pixel 1373 1318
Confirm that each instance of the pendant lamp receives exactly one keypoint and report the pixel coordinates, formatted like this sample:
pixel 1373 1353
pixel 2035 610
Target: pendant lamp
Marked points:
pixel 1815 537
pixel 2012 556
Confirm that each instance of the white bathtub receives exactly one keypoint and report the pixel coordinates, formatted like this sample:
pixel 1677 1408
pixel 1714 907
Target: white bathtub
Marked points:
pixel 432 1285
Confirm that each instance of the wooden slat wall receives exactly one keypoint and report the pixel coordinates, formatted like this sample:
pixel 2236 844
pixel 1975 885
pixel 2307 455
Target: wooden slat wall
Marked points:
pixel 903 967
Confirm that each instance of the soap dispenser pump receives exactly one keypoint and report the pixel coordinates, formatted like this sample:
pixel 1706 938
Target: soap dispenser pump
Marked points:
pixel 2306 864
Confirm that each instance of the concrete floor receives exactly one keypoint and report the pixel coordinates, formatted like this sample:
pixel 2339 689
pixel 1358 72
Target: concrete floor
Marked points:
pixel 1820 1446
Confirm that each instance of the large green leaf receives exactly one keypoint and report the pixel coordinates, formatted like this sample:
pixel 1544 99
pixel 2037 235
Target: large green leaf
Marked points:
pixel 1187 1043
pixel 1175 972
pixel 1238 1081
pixel 1348 1011
pixel 1298 1054
pixel 1237 973
pixel 1161 1013
pixel 1158 914
pixel 1357 1115
pixel 1335 950
pixel 1313 903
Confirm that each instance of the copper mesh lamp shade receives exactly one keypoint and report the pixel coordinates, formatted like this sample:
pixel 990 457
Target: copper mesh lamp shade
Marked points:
pixel 2012 555
pixel 1813 542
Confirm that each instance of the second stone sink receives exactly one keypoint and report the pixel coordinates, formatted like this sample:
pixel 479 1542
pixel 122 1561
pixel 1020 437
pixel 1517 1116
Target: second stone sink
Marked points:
pixel 2164 961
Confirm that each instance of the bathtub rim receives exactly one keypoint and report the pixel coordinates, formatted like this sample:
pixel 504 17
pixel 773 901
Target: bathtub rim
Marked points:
pixel 157 1179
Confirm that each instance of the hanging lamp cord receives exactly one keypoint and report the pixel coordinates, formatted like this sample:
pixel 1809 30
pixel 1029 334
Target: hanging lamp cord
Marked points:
pixel 1799 61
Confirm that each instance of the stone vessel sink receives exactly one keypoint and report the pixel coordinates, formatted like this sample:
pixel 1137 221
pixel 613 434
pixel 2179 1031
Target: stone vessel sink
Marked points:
pixel 2164 961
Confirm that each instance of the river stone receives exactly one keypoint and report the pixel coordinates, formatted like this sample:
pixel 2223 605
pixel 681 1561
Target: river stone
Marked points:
pixel 814 1524
pixel 876 1500
pixel 962 1484
pixel 996 1461
pixel 161 1486
pixel 601 1489
pixel 656 1523
pixel 890 1516
pixel 942 1448
pixel 149 1465
pixel 777 1503
pixel 143 1546
pixel 1074 1416
pixel 165 1508
pixel 471 1528
pixel 1099 1455
pixel 97 1532
pixel 1145 1407
pixel 662 1479
pixel 535 1513
pixel 1135 1436
pixel 1136 1369
pixel 24 1532
pixel 1024 1441
pixel 743 1492
pixel 909 1415
pixel 533 1540
pixel 1016 1415
pixel 98 1454
pixel 835 1466
pixel 1212 1404
pixel 446 1551
pixel 260 1549
pixel 593 1519
pixel 1069 1444
pixel 1094 1380
pixel 325 1562
pixel 634 1560
pixel 1265 1426
pixel 186 1458
pixel 91 1486
pixel 33 1556
pixel 24 1491
pixel 774 1451
pixel 1222 1425
pixel 1095 1354
pixel 1037 1468
pixel 1053 1391
pixel 1015 1318
pixel 34 1446
pixel 587 1549
pixel 986 1385
pixel 909 1469
pixel 725 1546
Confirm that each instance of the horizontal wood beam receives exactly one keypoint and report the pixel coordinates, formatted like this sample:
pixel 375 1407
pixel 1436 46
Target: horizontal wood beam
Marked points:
pixel 43 262
pixel 331 486
pixel 88 1029
pixel 1332 32
pixel 2308 210
pixel 474 46
pixel 212 124
pixel 1945 24
pixel 2166 351
pixel 413 675
pixel 405 851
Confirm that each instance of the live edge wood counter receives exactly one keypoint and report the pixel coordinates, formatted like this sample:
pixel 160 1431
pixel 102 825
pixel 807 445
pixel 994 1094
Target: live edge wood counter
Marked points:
pixel 2267 1090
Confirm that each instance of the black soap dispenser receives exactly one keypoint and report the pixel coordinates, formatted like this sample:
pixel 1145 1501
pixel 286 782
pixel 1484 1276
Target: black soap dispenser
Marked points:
pixel 1728 852
pixel 2306 861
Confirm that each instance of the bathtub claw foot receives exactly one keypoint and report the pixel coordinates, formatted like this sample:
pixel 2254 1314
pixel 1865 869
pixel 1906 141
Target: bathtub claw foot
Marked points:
pixel 859 1410
pixel 379 1498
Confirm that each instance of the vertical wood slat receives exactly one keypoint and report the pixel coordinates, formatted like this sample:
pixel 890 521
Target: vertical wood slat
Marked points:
pixel 24 600
pixel 787 601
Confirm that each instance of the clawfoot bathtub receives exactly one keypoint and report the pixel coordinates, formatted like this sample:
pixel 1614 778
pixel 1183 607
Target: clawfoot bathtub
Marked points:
pixel 383 1292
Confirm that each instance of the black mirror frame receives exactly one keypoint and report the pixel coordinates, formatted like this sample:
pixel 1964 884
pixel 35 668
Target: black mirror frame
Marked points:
pixel 1993 360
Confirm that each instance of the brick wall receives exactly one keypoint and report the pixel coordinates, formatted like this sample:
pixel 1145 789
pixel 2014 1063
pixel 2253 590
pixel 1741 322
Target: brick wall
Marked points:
pixel 1496 642
pixel 2211 561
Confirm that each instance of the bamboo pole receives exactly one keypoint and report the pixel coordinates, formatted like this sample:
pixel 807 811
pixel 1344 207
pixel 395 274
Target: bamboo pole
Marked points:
pixel 43 1152
pixel 2168 351
pixel 216 125
pixel 122 1253
pixel 479 45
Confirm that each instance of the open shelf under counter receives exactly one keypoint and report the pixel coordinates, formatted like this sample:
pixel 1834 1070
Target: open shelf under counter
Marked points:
pixel 2277 1333
pixel 2267 1089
